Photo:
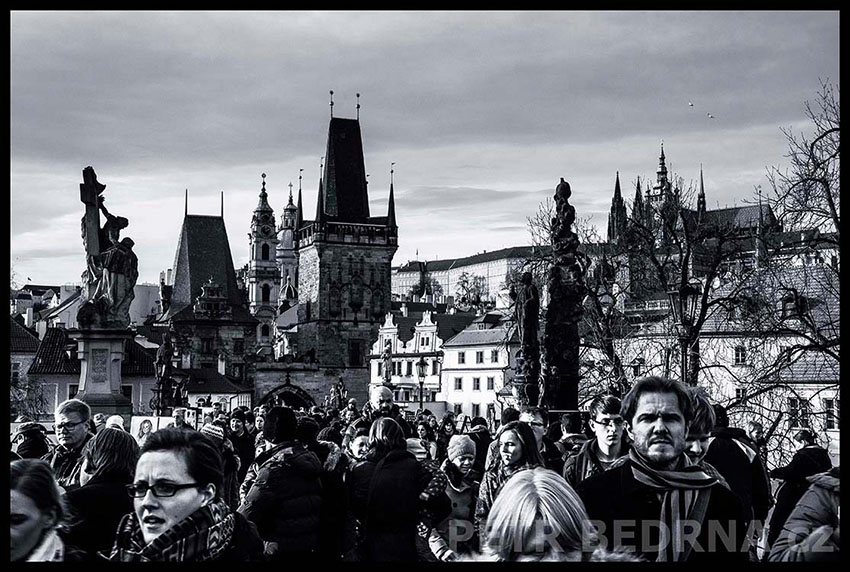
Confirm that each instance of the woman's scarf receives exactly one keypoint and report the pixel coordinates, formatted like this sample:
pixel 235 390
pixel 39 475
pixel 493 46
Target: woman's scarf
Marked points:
pixel 50 549
pixel 203 535
pixel 685 497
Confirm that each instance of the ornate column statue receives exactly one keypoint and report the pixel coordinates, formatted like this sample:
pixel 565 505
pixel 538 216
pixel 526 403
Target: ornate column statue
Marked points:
pixel 527 319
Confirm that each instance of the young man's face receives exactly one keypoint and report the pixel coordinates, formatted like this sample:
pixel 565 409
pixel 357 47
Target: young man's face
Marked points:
pixel 608 428
pixel 359 447
pixel 696 446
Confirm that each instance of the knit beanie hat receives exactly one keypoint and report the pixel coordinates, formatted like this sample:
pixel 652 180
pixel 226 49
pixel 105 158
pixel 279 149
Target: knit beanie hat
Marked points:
pixel 115 421
pixel 34 446
pixel 215 432
pixel 460 445
pixel 238 414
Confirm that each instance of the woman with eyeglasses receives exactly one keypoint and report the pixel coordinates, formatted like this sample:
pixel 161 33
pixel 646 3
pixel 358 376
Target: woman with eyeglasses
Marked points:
pixel 96 508
pixel 36 512
pixel 517 451
pixel 178 514
pixel 602 451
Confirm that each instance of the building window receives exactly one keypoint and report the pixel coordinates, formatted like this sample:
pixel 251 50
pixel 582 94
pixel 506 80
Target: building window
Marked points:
pixel 637 367
pixel 434 368
pixel 424 341
pixel 266 292
pixel 355 352
pixel 479 357
pixel 476 410
pixel 494 356
pixel 832 414
pixel 239 347
pixel 380 368
pixel 264 331
pixel 740 355
pixel 16 372
pixel 397 368
pixel 476 384
pixel 461 357
pixel 798 413
pixel 206 345
pixel 741 394
pixel 265 252
pixel 73 389
pixel 491 383
pixel 409 369
pixel 458 384
pixel 458 408
pixel 406 395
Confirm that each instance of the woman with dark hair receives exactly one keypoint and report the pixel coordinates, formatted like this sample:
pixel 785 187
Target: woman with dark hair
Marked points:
pixel 35 512
pixel 517 451
pixel 179 515
pixel 97 507
pixel 810 459
pixel 390 493
pixel 444 432
pixel 427 439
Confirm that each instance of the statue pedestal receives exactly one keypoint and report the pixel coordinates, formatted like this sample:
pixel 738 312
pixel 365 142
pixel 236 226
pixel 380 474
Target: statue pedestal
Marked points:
pixel 101 352
pixel 525 393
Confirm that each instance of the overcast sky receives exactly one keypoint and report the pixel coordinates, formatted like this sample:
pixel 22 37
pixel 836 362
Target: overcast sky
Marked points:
pixel 482 113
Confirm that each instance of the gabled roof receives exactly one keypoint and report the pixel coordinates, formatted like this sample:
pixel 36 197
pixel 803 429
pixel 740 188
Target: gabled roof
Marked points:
pixel 740 217
pixel 203 252
pixel 208 380
pixel 474 337
pixel 511 252
pixel 811 367
pixel 22 339
pixel 448 325
pixel 344 196
pixel 52 357
pixel 50 312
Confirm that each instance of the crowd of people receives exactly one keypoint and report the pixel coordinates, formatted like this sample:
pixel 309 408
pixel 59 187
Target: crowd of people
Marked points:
pixel 657 476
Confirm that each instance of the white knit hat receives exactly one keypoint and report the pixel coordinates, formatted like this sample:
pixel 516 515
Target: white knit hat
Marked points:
pixel 115 421
pixel 460 445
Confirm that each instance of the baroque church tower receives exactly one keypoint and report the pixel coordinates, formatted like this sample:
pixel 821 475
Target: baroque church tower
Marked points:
pixel 287 260
pixel 263 278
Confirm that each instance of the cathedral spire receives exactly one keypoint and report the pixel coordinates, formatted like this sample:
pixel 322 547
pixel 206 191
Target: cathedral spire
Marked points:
pixel 617 186
pixel 391 208
pixel 701 196
pixel 617 218
pixel 320 204
pixel 263 205
pixel 637 205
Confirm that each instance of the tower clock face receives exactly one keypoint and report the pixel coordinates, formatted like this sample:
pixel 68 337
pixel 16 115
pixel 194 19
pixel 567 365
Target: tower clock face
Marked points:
pixel 265 229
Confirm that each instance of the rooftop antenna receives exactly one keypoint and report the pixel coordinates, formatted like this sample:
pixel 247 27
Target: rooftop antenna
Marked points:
pixel 392 171
pixel 358 107
pixel 186 204
pixel 332 102
pixel 299 179
pixel 222 204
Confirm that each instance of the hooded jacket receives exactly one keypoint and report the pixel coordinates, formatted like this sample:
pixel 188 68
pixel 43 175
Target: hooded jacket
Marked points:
pixel 286 499
pixel 808 461
pixel 811 532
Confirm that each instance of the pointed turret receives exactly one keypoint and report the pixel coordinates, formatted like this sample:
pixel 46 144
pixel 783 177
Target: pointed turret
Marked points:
pixel 391 209
pixel 299 213
pixel 662 183
pixel 701 197
pixel 637 205
pixel 617 216
pixel 320 204
pixel 345 196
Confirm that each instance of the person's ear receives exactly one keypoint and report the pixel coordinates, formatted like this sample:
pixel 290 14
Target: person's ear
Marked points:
pixel 208 493
pixel 49 519
pixel 628 426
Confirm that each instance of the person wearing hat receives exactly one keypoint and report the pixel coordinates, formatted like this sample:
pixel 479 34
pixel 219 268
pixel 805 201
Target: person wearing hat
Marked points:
pixel 31 439
pixel 115 421
pixel 243 443
pixel 284 500
pixel 230 482
pixel 456 534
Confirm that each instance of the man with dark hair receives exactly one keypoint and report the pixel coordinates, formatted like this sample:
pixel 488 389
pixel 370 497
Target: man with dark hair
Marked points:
pixel 572 437
pixel 243 443
pixel 250 427
pixel 654 500
pixel 72 418
pixel 810 459
pixel 736 457
pixel 480 435
pixel 538 419
pixel 286 497
pixel 600 452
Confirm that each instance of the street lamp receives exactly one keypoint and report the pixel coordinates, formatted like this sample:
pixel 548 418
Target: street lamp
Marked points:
pixel 683 303
pixel 421 371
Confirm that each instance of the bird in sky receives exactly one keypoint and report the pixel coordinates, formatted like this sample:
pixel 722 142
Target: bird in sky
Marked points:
pixel 710 116
pixel 691 104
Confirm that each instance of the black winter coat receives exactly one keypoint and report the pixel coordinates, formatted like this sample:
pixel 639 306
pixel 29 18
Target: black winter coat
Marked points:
pixel 806 462
pixel 94 510
pixel 736 457
pixel 286 499
pixel 616 496
pixel 389 518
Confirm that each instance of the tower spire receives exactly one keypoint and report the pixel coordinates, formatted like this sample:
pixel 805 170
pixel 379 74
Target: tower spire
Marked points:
pixel 617 186
pixel 332 103
pixel 290 194
pixel 391 208
pixel 701 196
pixel 222 204
pixel 358 107
pixel 186 204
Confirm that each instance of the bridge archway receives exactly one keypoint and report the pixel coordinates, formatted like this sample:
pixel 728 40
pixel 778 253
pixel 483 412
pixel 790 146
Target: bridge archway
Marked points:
pixel 289 395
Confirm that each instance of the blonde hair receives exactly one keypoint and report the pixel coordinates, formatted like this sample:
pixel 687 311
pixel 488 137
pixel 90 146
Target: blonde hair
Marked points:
pixel 538 515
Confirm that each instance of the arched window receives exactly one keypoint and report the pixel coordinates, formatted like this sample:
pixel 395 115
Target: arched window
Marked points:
pixel 266 292
pixel 264 331
pixel 265 252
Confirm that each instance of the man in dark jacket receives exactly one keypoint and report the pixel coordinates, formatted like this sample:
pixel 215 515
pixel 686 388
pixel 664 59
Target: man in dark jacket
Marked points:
pixel 480 435
pixel 736 457
pixel 655 500
pixel 810 459
pixel 598 454
pixel 286 497
pixel 380 405
pixel 538 419
pixel 72 418
pixel 243 443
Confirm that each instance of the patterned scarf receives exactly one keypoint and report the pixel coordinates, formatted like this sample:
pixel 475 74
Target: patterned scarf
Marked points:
pixel 685 494
pixel 50 549
pixel 203 535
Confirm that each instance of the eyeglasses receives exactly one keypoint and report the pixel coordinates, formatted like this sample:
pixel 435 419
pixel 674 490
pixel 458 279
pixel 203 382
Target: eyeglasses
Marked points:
pixel 68 426
pixel 160 490
pixel 608 422
pixel 536 424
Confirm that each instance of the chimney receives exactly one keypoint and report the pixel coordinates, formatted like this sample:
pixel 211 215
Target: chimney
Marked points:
pixel 168 277
pixel 404 310
pixel 28 319
pixel 222 365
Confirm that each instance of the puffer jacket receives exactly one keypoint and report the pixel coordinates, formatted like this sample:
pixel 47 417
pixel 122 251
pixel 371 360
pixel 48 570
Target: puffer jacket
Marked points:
pixel 286 499
pixel 811 532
